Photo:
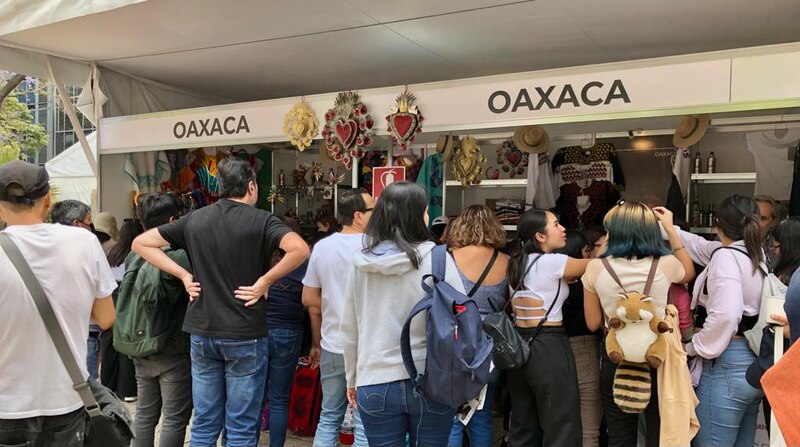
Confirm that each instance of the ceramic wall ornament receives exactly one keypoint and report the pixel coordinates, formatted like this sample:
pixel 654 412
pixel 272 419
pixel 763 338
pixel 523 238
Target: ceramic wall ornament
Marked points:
pixel 300 125
pixel 468 162
pixel 348 129
pixel 404 120
pixel 511 159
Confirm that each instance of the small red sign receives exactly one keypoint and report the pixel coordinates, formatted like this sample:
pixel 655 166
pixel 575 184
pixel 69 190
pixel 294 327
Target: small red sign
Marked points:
pixel 385 176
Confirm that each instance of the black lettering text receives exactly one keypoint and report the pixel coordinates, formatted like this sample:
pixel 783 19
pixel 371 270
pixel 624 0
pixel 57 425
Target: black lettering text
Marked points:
pixel 179 130
pixel 229 129
pixel 204 127
pixel 545 97
pixel 192 130
pixel 243 125
pixel 585 94
pixel 523 100
pixel 567 95
pixel 506 101
pixel 216 127
pixel 617 92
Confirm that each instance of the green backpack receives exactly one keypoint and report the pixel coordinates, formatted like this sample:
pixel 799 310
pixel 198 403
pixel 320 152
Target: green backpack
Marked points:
pixel 144 324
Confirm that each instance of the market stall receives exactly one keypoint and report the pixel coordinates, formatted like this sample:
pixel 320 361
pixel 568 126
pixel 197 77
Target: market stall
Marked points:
pixel 623 114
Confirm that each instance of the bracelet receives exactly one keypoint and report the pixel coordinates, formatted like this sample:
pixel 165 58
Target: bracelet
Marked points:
pixel 678 249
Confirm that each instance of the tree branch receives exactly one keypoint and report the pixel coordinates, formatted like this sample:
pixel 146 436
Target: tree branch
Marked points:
pixel 10 86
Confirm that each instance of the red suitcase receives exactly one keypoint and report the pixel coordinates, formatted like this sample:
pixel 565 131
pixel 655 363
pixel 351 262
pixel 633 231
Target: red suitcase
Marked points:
pixel 305 401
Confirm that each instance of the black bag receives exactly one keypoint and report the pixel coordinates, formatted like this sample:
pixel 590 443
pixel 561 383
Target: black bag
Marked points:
pixel 107 420
pixel 511 351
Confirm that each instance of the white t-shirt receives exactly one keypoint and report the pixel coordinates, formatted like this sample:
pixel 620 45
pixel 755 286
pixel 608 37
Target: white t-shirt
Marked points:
pixel 328 269
pixel 774 168
pixel 542 282
pixel 633 275
pixel 73 271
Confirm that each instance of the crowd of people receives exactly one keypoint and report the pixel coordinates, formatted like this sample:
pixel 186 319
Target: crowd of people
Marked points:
pixel 238 283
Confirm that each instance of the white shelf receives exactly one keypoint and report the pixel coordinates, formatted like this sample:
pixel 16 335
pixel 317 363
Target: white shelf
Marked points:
pixel 725 177
pixel 518 182
pixel 702 230
pixel 510 227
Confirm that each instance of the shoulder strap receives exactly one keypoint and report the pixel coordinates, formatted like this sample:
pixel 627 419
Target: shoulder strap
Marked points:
pixel 405 338
pixel 439 262
pixel 651 276
pixel 522 281
pixel 724 247
pixel 613 274
pixel 79 383
pixel 484 274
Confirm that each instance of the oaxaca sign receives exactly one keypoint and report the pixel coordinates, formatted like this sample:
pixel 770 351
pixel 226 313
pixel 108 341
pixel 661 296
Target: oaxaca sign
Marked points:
pixel 583 94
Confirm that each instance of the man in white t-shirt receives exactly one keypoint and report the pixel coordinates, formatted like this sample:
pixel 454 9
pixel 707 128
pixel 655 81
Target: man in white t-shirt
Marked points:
pixel 323 294
pixel 38 405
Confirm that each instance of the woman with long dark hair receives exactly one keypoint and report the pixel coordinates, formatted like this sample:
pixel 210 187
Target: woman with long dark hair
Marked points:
pixel 634 247
pixel 545 400
pixel 119 251
pixel 786 248
pixel 384 285
pixel 728 298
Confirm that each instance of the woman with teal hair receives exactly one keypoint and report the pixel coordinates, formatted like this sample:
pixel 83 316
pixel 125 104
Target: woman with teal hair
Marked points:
pixel 634 245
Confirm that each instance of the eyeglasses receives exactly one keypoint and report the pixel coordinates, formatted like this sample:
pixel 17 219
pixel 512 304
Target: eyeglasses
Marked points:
pixel 367 210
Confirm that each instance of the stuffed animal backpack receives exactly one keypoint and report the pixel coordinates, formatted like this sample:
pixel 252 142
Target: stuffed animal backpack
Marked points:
pixel 634 342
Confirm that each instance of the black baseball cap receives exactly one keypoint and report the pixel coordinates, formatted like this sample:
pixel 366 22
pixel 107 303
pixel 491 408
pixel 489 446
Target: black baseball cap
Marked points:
pixel 32 179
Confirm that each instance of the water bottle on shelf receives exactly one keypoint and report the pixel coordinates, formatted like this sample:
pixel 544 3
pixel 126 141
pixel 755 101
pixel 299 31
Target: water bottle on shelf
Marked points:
pixel 697 218
pixel 712 163
pixel 698 163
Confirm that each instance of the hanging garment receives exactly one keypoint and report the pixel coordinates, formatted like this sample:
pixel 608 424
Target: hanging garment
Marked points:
pixel 148 170
pixel 431 177
pixel 589 182
pixel 794 201
pixel 681 169
pixel 772 151
pixel 541 191
pixel 676 397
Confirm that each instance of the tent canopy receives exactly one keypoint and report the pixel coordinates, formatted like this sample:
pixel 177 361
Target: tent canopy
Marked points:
pixel 71 175
pixel 221 52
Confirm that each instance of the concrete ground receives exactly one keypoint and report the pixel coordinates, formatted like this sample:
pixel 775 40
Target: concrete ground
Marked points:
pixel 292 440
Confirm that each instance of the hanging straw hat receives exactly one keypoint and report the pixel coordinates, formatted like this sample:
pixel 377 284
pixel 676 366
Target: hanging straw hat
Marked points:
pixel 445 145
pixel 532 139
pixel 690 129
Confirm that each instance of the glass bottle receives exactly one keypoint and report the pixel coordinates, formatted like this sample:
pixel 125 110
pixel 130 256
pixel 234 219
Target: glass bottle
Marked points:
pixel 712 163
pixel 698 163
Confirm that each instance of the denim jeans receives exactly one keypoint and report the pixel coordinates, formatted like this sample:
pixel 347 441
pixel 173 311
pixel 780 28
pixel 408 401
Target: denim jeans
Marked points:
pixel 728 409
pixel 66 430
pixel 164 387
pixel 284 350
pixel 92 352
pixel 228 377
pixel 480 426
pixel 586 351
pixel 334 403
pixel 390 411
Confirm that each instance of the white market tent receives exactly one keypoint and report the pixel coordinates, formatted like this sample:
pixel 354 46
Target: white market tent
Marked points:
pixel 71 174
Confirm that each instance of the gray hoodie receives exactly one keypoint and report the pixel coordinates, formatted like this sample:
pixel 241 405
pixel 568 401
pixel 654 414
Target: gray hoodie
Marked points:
pixel 382 289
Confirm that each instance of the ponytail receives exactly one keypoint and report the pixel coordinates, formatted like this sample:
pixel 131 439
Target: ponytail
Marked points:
pixel 738 218
pixel 751 233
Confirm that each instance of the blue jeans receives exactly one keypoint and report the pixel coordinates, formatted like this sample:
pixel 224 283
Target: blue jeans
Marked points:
pixel 728 408
pixel 284 350
pixel 93 350
pixel 480 426
pixel 389 411
pixel 334 403
pixel 228 377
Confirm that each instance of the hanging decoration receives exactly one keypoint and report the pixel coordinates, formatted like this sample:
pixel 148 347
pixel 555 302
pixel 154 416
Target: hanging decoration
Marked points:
pixel 275 196
pixel 404 119
pixel 300 125
pixel 348 129
pixel 468 162
pixel 511 159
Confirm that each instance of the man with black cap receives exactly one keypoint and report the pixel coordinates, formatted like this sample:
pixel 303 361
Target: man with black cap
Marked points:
pixel 38 405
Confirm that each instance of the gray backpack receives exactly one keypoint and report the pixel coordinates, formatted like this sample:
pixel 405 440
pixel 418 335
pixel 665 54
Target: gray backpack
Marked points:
pixel 458 350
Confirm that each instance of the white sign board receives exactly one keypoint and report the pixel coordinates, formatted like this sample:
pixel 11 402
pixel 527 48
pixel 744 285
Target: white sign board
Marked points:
pixel 496 101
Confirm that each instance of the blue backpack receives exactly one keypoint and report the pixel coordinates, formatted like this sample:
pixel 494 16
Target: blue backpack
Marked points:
pixel 458 350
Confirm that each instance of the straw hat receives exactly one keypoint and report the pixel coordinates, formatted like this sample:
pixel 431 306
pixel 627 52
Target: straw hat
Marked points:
pixel 445 145
pixel 690 129
pixel 106 222
pixel 532 139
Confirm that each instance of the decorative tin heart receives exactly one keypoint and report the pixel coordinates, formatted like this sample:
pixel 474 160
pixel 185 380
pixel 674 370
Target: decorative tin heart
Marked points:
pixel 404 125
pixel 514 156
pixel 347 132
pixel 492 174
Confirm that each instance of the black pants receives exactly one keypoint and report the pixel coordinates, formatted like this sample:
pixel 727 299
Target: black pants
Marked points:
pixel 66 430
pixel 623 428
pixel 545 403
